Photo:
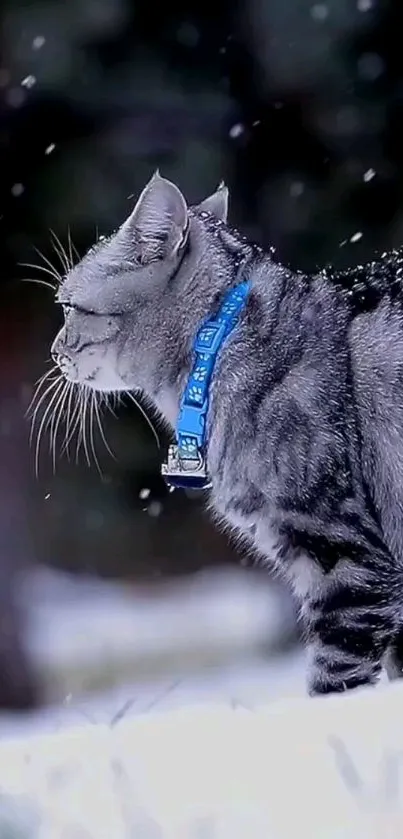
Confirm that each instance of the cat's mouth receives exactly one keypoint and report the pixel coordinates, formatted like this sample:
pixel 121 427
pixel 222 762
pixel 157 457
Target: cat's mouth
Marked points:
pixel 91 378
pixel 70 371
pixel 103 380
pixel 68 368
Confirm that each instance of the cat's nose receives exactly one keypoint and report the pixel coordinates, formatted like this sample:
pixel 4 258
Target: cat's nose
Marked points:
pixel 60 358
pixel 66 365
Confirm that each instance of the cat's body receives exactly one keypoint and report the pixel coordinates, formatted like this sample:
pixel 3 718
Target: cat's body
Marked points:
pixel 305 422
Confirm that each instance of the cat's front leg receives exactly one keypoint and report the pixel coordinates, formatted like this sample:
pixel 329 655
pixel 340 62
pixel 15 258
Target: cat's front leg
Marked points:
pixel 394 656
pixel 349 622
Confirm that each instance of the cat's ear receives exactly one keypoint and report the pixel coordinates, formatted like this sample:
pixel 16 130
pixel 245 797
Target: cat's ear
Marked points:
pixel 159 221
pixel 217 203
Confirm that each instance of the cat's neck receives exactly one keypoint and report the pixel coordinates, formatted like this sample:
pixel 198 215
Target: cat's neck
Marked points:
pixel 174 367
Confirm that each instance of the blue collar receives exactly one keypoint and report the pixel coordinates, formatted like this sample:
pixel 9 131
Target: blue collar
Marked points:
pixel 186 464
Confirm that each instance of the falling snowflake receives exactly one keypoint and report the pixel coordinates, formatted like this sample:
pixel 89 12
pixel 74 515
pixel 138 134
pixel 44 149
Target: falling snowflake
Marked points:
pixel 51 147
pixel 319 11
pixel 38 42
pixel 17 190
pixel 296 189
pixel 28 82
pixel 369 174
pixel 236 130
pixel 356 236
pixel 144 493
pixel 155 509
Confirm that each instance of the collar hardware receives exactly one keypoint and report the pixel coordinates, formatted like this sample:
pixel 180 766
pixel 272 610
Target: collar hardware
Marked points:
pixel 186 464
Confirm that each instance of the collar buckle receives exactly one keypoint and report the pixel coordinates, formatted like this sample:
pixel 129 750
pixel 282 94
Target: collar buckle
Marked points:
pixel 185 472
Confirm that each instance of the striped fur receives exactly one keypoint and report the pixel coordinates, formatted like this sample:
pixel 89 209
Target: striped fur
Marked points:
pixel 305 425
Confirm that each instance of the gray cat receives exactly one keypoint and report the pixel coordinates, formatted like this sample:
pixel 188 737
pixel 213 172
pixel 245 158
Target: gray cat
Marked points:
pixel 304 432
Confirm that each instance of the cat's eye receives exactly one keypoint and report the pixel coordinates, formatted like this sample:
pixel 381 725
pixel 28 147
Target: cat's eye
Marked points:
pixel 70 307
pixel 67 307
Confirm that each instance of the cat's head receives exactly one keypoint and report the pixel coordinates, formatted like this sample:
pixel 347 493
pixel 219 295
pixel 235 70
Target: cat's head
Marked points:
pixel 125 303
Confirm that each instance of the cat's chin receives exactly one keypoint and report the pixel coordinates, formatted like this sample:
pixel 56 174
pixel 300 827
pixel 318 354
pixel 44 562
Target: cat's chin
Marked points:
pixel 102 383
pixel 100 387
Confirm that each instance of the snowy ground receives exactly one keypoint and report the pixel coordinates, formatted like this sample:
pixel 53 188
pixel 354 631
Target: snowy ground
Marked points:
pixel 104 650
pixel 316 769
pixel 227 747
pixel 87 636
pixel 245 684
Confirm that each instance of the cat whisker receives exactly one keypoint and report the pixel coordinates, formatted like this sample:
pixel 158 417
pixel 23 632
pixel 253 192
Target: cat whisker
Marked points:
pixel 77 406
pixel 39 282
pixel 80 421
pixel 36 405
pixel 110 401
pixel 43 269
pixel 52 268
pixel 40 382
pixel 100 427
pixel 45 420
pixel 56 419
pixel 84 416
pixel 146 417
pixel 60 251
pixel 69 245
pixel 92 404
pixel 73 252
pixel 72 419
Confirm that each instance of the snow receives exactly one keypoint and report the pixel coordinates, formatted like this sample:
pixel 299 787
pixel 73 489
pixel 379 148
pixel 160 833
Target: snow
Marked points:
pixel 38 42
pixel 369 175
pixel 154 509
pixel 236 130
pixel 318 769
pixel 17 190
pixel 230 748
pixel 319 12
pixel 28 82
pixel 296 189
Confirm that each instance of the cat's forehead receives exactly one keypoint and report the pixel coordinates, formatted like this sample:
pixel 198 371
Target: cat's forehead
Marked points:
pixel 102 260
pixel 109 280
pixel 95 282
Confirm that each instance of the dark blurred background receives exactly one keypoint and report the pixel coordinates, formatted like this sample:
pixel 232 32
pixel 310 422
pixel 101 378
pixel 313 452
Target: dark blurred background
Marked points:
pixel 297 105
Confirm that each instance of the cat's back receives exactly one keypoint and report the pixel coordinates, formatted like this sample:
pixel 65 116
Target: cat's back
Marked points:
pixel 375 296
